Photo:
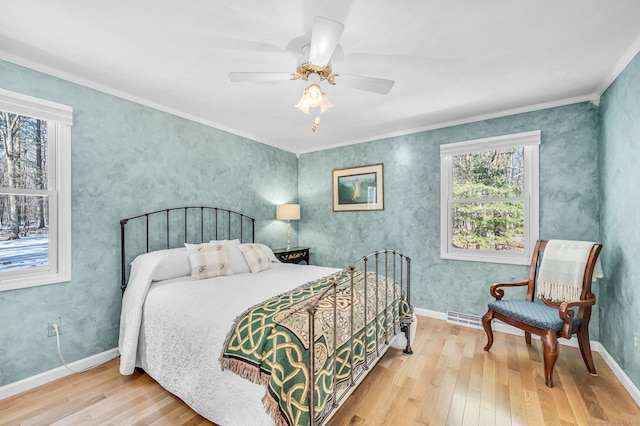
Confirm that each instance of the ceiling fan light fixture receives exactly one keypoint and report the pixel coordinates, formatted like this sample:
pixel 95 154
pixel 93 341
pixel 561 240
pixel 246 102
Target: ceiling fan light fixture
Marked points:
pixel 313 94
pixel 303 106
pixel 313 97
pixel 325 104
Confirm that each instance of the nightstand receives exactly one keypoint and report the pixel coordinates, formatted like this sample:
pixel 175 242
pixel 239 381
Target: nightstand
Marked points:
pixel 293 255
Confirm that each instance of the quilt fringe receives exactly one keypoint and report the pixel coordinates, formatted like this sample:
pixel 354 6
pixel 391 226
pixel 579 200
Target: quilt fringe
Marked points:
pixel 272 408
pixel 255 375
pixel 244 370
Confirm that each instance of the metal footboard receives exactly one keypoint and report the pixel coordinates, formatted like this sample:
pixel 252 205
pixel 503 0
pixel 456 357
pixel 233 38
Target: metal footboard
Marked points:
pixel 403 277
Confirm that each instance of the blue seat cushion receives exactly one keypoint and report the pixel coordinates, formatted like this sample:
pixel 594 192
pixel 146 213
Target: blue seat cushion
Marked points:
pixel 530 313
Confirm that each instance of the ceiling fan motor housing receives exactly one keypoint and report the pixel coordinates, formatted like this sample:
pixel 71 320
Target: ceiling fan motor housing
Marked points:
pixel 305 70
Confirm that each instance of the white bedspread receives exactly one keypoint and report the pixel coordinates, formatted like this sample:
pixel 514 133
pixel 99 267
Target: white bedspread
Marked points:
pixel 175 330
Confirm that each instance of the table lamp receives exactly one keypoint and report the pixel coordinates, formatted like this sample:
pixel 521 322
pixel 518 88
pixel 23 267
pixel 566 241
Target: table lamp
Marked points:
pixel 288 212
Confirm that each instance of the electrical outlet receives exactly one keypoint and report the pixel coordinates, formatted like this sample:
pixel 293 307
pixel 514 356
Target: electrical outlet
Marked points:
pixel 51 330
pixel 636 343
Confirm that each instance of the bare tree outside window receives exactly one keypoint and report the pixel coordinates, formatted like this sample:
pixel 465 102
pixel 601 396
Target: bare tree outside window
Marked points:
pixel 24 208
pixel 35 191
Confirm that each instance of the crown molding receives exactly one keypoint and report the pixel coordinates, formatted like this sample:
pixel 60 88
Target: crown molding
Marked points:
pixel 617 69
pixel 593 98
pixel 73 78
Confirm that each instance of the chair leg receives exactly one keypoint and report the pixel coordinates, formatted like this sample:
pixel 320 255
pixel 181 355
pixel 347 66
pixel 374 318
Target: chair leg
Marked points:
pixel 585 349
pixel 550 354
pixel 486 323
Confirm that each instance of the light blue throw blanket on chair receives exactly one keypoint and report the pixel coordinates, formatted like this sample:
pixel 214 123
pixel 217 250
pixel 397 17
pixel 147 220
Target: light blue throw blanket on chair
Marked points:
pixel 562 270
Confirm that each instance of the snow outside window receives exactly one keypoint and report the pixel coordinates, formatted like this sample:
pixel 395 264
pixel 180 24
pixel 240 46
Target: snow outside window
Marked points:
pixel 489 199
pixel 35 191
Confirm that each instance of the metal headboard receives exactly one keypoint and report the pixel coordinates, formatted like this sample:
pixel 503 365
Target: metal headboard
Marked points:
pixel 197 224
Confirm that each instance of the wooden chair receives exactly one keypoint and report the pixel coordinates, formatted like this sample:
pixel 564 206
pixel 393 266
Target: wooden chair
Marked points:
pixel 549 319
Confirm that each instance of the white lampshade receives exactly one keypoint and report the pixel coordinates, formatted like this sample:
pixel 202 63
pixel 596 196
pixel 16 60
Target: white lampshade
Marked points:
pixel 288 212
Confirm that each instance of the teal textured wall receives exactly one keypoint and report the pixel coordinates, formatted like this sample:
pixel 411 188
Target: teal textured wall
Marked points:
pixel 620 192
pixel 128 159
pixel 410 221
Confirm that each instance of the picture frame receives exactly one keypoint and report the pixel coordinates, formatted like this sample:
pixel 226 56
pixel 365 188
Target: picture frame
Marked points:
pixel 358 188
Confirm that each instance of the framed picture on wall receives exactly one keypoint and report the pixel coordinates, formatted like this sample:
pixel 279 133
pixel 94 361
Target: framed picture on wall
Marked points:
pixel 358 188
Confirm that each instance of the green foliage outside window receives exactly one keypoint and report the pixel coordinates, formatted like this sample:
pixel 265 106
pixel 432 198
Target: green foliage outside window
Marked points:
pixel 488 208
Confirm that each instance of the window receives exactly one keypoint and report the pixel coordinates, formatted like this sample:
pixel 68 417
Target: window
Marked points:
pixel 35 191
pixel 489 199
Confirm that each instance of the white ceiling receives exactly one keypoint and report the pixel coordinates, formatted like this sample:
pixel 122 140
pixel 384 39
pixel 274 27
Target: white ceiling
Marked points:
pixel 452 61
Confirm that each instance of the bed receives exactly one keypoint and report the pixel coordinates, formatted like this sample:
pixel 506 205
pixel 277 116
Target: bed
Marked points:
pixel 239 338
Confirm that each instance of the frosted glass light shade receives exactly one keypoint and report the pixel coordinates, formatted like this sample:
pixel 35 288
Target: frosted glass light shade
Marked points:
pixel 313 97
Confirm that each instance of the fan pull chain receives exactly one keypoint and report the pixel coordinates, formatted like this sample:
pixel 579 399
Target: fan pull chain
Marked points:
pixel 316 123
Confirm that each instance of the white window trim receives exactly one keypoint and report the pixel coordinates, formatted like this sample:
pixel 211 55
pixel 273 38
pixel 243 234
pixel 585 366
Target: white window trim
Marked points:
pixel 60 120
pixel 531 142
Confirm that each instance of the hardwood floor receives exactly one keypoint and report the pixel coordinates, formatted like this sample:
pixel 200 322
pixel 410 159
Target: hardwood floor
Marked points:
pixel 449 380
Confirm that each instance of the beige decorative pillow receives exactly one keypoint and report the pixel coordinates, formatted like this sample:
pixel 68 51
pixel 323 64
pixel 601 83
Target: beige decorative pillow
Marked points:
pixel 208 260
pixel 256 258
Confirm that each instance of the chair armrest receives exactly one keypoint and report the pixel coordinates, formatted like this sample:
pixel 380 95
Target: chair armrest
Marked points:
pixel 498 293
pixel 566 313
pixel 590 301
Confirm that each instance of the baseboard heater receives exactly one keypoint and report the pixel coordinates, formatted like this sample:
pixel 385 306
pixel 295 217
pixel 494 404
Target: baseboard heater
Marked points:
pixel 466 320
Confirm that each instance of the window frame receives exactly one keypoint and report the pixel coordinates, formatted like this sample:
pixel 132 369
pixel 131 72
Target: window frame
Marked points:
pixel 531 142
pixel 59 121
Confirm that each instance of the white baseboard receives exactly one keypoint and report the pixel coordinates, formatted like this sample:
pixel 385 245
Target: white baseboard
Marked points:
pixel 621 375
pixel 430 314
pixel 501 327
pixel 57 373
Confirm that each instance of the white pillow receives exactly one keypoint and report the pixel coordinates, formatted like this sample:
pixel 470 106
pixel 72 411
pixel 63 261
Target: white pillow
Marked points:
pixel 208 260
pixel 236 259
pixel 256 258
pixel 172 263
pixel 165 264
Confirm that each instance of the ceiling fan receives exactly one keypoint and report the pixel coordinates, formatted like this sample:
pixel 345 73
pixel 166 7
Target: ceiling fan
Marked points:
pixel 315 67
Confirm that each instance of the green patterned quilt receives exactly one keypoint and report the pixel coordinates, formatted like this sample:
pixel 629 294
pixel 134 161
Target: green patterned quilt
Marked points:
pixel 269 343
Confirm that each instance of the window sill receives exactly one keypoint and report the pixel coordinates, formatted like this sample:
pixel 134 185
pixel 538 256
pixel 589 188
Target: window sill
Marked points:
pixel 513 259
pixel 32 280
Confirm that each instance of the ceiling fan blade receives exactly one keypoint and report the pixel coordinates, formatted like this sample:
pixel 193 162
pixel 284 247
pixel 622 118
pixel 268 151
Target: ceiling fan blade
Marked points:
pixel 370 84
pixel 324 39
pixel 259 76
